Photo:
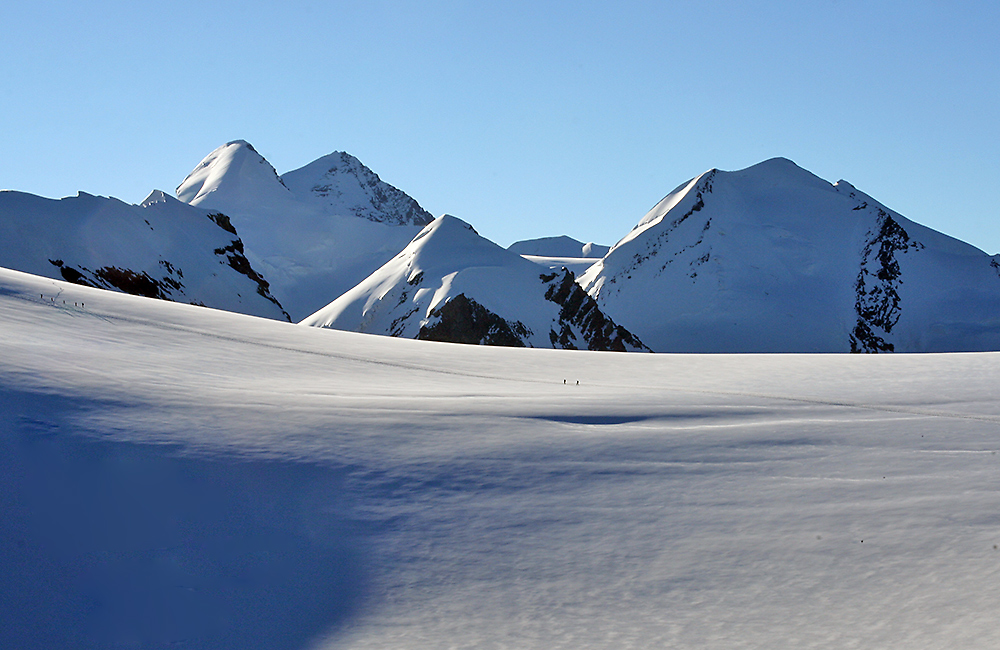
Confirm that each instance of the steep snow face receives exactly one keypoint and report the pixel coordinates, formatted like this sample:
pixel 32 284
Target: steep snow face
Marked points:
pixel 160 249
pixel 234 176
pixel 774 258
pixel 314 232
pixel 558 247
pixel 340 184
pixel 450 284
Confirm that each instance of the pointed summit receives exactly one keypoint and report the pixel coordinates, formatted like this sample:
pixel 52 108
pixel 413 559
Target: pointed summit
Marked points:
pixel 315 232
pixel 451 284
pixel 233 177
pixel 773 258
pixel 339 183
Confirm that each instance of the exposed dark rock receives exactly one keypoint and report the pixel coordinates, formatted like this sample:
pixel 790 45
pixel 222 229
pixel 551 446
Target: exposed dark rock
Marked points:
pixel 70 274
pixel 463 320
pixel 877 301
pixel 223 222
pixel 128 281
pixel 238 262
pixel 578 309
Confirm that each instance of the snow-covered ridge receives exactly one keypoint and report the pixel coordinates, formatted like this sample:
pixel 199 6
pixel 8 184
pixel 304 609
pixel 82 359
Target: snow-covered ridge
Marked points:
pixel 315 231
pixel 161 248
pixel 562 246
pixel 339 181
pixel 233 172
pixel 774 258
pixel 450 284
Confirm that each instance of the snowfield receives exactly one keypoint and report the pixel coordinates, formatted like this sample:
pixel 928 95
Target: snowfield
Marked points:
pixel 175 476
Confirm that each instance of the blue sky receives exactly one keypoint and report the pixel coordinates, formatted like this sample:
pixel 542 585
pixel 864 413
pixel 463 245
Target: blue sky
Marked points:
pixel 524 119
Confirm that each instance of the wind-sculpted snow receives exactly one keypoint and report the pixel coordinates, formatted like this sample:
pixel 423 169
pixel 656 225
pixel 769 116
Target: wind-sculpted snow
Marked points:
pixel 450 284
pixel 775 259
pixel 160 249
pixel 314 232
pixel 173 476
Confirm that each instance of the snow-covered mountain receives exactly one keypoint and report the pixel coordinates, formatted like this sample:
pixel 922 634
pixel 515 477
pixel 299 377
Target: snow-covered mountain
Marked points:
pixel 451 284
pixel 161 248
pixel 563 246
pixel 774 258
pixel 314 232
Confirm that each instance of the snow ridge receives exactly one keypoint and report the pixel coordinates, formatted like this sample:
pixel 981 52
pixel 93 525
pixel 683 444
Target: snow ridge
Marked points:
pixel 316 231
pixel 451 284
pixel 775 259
pixel 562 246
pixel 339 182
pixel 161 248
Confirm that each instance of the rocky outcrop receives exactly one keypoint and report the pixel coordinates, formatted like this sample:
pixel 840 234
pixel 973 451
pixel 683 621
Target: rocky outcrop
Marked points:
pixel 579 314
pixel 463 320
pixel 877 288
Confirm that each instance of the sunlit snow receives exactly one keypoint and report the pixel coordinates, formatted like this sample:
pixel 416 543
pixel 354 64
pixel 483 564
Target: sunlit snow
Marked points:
pixel 174 476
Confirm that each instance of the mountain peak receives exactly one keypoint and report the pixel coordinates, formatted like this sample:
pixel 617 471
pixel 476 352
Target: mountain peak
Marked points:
pixel 451 284
pixel 157 196
pixel 339 183
pixel 234 172
pixel 776 172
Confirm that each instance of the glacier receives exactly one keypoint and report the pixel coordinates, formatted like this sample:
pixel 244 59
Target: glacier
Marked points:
pixel 175 476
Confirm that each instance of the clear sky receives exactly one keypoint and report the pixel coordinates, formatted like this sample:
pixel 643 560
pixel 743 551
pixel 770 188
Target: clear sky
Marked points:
pixel 526 119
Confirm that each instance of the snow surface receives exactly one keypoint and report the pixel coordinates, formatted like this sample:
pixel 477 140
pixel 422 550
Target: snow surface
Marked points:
pixel 182 477
pixel 317 235
pixel 770 258
pixel 563 246
pixel 578 265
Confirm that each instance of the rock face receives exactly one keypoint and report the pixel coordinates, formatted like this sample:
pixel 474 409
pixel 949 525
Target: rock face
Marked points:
pixel 161 248
pixel 578 312
pixel 450 284
pixel 877 301
pixel 775 259
pixel 314 232
pixel 340 184
pixel 463 320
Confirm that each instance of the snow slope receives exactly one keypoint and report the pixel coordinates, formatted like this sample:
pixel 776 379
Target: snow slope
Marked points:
pixel 451 284
pixel 314 232
pixel 773 258
pixel 578 265
pixel 182 477
pixel 161 249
